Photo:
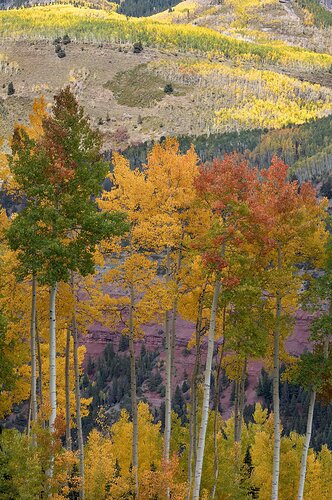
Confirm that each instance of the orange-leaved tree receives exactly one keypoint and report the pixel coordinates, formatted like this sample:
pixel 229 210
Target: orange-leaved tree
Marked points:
pixel 294 234
pixel 227 188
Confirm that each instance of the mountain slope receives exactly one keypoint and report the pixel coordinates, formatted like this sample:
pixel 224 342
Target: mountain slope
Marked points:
pixel 229 68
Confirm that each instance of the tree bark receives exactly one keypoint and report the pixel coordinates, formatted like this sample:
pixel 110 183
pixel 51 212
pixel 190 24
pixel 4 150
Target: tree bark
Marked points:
pixel 33 404
pixel 78 400
pixel 67 390
pixel 206 394
pixel 173 335
pixel 175 308
pixel 276 405
pixel 236 409
pixel 29 417
pixel 52 383
pixel 276 398
pixel 168 382
pixel 133 390
pixel 40 371
pixel 240 396
pixel 303 468
pixel 216 412
pixel 242 399
pixel 194 403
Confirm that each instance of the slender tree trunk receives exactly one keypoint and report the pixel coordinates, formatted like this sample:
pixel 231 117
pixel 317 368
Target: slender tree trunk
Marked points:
pixel 175 309
pixel 173 335
pixel 168 384
pixel 40 378
pixel 236 409
pixel 78 399
pixel 52 383
pixel 191 439
pixel 206 394
pixel 303 468
pixel 216 412
pixel 192 456
pixel 276 405
pixel 33 405
pixel 29 417
pixel 40 370
pixel 67 389
pixel 194 404
pixel 240 397
pixel 133 390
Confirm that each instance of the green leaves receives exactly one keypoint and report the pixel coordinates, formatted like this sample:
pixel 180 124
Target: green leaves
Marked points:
pixel 313 371
pixel 59 173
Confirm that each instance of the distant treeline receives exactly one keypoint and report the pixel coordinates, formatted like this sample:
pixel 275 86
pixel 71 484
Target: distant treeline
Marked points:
pixel 306 148
pixel 139 8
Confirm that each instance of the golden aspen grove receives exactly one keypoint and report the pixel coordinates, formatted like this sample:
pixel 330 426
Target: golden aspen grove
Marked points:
pixel 166 249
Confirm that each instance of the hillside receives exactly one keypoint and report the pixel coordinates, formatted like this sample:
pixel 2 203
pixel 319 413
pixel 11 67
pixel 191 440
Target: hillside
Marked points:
pixel 222 78
pixel 165 249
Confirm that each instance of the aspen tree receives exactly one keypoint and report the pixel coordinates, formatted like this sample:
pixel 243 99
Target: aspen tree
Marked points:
pixel 59 228
pixel 226 187
pixel 136 276
pixel 295 234
pixel 313 370
pixel 172 176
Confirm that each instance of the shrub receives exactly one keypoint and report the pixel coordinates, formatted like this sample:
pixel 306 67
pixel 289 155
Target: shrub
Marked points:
pixel 61 53
pixel 57 48
pixel 57 40
pixel 137 47
pixel 155 381
pixel 66 40
pixel 10 90
pixel 168 89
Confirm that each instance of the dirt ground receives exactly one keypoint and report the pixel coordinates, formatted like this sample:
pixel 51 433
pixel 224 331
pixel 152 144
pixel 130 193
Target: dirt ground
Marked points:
pixel 87 68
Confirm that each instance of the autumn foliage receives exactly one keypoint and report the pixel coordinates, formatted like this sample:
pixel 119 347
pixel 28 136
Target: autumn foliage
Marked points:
pixel 219 244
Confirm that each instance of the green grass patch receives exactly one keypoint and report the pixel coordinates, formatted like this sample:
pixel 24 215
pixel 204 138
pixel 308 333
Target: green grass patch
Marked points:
pixel 139 87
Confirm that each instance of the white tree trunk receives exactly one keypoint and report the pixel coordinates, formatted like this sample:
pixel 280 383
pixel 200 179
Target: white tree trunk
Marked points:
pixel 175 310
pixel 303 469
pixel 276 398
pixel 133 390
pixel 52 382
pixel 276 406
pixel 194 403
pixel 242 400
pixel 40 371
pixel 168 381
pixel 206 394
pixel 78 400
pixel 67 390
pixel 311 408
pixel 240 397
pixel 215 420
pixel 34 407
pixel 168 389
